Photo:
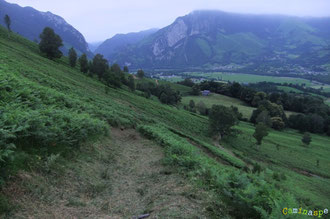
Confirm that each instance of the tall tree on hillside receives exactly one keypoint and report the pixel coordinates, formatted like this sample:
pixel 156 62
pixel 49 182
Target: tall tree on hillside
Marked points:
pixel 196 90
pixel 261 131
pixel 264 118
pixel 83 61
pixel 50 43
pixel 192 104
pixel 126 69
pixel 140 73
pixel 99 66
pixel 115 68
pixel 202 108
pixel 131 82
pixel 221 119
pixel 7 22
pixel 72 57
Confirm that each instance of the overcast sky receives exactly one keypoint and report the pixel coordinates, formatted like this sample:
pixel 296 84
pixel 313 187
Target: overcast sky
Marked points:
pixel 98 20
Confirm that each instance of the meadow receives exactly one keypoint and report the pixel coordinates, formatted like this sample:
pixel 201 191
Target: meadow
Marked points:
pixel 219 99
pixel 249 78
pixel 50 109
pixel 285 153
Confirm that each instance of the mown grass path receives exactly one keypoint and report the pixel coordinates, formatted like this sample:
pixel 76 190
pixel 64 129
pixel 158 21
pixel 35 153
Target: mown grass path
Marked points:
pixel 119 177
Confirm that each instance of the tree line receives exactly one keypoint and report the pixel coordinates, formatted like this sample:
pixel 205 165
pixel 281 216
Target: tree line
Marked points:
pixel 99 68
pixel 311 111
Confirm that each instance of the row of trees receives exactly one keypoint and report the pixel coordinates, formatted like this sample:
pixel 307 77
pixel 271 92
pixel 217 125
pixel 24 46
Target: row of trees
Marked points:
pixel 312 109
pixel 50 44
pixel 99 67
pixel 165 93
pixel 222 119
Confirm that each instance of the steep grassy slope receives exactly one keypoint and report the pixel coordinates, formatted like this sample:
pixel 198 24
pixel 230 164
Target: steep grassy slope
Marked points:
pixel 48 108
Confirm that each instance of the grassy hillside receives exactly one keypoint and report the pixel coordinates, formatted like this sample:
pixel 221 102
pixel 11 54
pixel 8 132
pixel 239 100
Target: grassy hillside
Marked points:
pixel 51 116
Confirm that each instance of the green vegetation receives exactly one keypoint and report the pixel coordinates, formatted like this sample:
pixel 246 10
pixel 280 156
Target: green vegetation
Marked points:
pixel 73 57
pixel 284 152
pixel 218 99
pixel 49 110
pixel 260 132
pixel 222 119
pixel 7 22
pixel 83 61
pixel 140 73
pixel 50 43
pixel 248 78
pixel 289 89
pixel 306 139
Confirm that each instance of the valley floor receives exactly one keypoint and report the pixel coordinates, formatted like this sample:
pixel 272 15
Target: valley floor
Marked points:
pixel 119 177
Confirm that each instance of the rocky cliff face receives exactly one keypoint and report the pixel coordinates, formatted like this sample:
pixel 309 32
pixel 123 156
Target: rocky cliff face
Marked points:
pixel 217 40
pixel 29 23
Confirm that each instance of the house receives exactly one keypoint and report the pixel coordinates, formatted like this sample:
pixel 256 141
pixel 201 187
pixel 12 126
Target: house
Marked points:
pixel 206 92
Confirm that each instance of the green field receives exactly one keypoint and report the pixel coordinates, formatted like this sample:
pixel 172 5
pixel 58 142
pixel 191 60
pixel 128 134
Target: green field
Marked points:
pixel 285 152
pixel 77 142
pixel 219 99
pixel 250 78
pixel 289 89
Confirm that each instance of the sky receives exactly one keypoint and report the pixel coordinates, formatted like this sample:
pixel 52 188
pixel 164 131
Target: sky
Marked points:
pixel 98 20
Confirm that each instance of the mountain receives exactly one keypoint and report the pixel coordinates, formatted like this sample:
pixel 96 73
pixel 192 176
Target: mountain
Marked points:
pixel 29 23
pixel 215 40
pixel 120 41
pixel 93 46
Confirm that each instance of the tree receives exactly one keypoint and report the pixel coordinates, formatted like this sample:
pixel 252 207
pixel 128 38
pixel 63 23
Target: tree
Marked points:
pixel 187 82
pixel 112 79
pixel 192 104
pixel 140 73
pixel 7 22
pixel 99 66
pixel 277 123
pixel 306 139
pixel 264 118
pixel 166 94
pixel 83 61
pixel 196 91
pixel 131 82
pixel 258 97
pixel 125 69
pixel 261 131
pixel 202 108
pixel 115 68
pixel 50 43
pixel 73 57
pixel 221 120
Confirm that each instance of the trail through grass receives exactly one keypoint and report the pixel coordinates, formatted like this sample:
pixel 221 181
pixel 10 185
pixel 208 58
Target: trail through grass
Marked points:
pixel 124 178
